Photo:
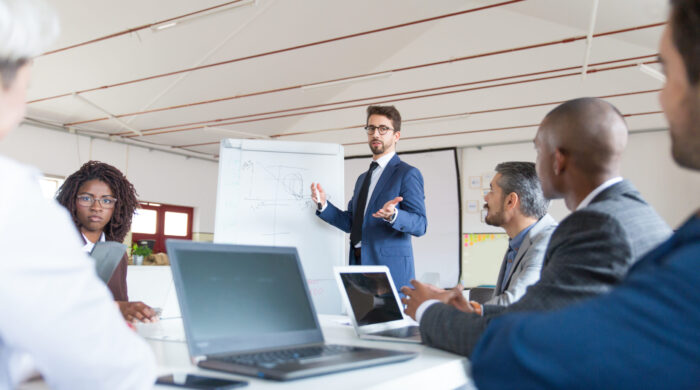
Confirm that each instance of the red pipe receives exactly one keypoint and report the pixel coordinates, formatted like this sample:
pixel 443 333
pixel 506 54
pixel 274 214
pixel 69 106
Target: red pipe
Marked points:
pixel 283 50
pixel 154 131
pixel 282 89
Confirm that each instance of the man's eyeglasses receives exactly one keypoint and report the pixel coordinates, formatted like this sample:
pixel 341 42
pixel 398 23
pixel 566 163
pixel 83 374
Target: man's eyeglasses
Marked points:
pixel 381 129
pixel 89 200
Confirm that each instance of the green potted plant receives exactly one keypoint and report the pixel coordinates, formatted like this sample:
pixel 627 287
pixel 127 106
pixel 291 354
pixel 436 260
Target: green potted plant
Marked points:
pixel 138 253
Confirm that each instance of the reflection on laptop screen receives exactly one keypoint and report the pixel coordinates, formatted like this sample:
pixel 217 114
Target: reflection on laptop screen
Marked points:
pixel 224 292
pixel 371 297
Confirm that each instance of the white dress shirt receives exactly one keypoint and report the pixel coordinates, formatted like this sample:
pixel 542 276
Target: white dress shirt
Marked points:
pixel 587 200
pixel 89 244
pixel 56 316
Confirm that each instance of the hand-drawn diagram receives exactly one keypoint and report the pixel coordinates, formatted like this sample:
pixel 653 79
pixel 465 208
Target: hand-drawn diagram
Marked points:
pixel 274 187
pixel 264 198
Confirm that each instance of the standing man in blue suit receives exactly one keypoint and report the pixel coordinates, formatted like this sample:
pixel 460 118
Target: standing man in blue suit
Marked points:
pixel 643 334
pixel 388 203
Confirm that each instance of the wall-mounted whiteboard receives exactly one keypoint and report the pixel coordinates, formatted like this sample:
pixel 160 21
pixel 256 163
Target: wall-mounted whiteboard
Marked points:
pixel 437 254
pixel 264 198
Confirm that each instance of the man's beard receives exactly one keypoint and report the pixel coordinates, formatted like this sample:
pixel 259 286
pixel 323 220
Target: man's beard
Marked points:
pixel 685 143
pixel 379 149
pixel 493 218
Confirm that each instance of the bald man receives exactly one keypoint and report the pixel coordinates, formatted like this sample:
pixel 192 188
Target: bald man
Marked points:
pixel 579 145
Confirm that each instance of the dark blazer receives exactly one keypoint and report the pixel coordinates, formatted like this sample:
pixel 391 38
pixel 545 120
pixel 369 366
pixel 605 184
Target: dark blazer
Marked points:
pixel 384 243
pixel 589 253
pixel 643 335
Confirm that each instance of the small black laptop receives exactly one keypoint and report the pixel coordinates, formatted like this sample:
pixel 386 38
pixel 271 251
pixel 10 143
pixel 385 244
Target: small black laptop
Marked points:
pixel 247 310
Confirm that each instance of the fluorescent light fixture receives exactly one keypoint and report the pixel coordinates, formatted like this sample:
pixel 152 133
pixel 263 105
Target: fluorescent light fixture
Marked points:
pixel 438 119
pixel 649 71
pixel 347 80
pixel 243 133
pixel 166 25
pixel 187 19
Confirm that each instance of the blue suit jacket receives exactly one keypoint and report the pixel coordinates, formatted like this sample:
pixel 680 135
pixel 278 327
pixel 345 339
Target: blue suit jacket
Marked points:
pixel 384 243
pixel 642 335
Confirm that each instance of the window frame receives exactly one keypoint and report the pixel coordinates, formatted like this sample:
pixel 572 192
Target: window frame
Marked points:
pixel 159 237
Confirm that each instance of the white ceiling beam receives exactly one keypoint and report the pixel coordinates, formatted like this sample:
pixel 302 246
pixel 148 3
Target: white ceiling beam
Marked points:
pixel 109 114
pixel 589 39
pixel 207 56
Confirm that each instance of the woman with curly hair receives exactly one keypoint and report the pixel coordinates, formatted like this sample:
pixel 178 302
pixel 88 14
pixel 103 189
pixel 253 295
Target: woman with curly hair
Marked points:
pixel 102 202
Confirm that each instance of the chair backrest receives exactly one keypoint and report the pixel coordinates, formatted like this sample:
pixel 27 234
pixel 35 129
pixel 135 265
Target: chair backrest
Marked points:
pixel 480 294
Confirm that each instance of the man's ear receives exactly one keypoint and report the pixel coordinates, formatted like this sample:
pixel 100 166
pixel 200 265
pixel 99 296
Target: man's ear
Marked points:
pixel 559 161
pixel 511 201
pixel 397 135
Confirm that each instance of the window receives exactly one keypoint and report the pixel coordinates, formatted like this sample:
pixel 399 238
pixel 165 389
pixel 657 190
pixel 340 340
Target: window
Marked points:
pixel 50 185
pixel 157 222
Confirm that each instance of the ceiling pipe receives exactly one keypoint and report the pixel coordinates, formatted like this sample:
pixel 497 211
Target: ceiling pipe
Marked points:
pixel 288 49
pixel 438 117
pixel 114 118
pixel 395 70
pixel 139 28
pixel 286 113
pixel 126 141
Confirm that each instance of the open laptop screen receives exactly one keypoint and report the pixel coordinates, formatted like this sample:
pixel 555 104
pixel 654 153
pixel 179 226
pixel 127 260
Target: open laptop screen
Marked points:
pixel 371 297
pixel 248 296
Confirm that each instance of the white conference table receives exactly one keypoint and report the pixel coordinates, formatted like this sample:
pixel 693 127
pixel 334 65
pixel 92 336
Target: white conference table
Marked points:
pixel 431 369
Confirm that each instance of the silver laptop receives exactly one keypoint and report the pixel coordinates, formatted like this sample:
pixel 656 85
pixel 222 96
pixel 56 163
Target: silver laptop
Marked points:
pixel 373 304
pixel 247 310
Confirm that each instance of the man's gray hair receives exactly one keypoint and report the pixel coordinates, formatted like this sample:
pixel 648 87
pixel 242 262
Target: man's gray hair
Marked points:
pixel 521 177
pixel 27 27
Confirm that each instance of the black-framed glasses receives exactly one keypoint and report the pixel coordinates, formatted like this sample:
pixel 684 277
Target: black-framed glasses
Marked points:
pixel 381 129
pixel 107 202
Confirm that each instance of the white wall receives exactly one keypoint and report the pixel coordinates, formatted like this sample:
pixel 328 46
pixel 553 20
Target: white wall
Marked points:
pixel 168 178
pixel 157 176
pixel 647 163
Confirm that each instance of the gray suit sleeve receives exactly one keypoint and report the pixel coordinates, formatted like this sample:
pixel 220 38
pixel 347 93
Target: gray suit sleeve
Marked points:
pixel 447 328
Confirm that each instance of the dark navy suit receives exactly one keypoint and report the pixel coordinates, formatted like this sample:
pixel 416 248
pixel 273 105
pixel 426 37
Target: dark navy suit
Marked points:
pixel 384 243
pixel 645 334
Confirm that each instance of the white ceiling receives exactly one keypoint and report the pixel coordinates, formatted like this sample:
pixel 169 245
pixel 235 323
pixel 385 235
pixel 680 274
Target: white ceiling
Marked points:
pixel 271 25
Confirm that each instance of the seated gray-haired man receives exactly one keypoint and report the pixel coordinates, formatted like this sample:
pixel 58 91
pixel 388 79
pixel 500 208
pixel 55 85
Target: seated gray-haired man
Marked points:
pixel 516 203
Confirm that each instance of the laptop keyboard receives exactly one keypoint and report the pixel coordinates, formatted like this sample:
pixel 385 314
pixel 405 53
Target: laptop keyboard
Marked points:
pixel 295 355
pixel 409 331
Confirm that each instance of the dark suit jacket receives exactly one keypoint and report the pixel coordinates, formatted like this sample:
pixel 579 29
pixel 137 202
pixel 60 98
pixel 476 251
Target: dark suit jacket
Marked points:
pixel 384 243
pixel 590 252
pixel 643 335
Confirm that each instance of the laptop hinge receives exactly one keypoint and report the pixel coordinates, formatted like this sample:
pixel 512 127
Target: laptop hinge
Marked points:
pixel 197 359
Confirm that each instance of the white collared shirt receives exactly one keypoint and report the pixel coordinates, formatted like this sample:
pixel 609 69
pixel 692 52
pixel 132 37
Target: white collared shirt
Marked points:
pixel 587 200
pixel 89 245
pixel 376 174
pixel 382 161
pixel 56 316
